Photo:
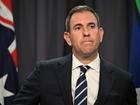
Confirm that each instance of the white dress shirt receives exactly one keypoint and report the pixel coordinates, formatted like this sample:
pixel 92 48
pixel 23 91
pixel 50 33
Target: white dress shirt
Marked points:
pixel 92 76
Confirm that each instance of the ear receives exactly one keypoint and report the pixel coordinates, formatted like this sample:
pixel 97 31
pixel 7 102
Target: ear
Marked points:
pixel 67 38
pixel 101 34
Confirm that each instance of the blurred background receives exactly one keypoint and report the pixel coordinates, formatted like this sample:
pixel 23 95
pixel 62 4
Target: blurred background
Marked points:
pixel 39 27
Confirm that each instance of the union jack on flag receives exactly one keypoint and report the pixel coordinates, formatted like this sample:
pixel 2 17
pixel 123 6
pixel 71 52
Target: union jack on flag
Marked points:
pixel 8 55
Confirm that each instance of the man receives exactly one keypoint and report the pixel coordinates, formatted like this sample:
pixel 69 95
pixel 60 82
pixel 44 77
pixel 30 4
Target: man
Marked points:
pixel 83 77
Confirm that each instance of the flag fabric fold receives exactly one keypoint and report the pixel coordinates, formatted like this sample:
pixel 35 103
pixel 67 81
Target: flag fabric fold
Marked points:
pixel 8 55
pixel 134 63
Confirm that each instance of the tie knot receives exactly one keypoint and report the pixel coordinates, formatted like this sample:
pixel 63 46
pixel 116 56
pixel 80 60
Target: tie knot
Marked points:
pixel 84 68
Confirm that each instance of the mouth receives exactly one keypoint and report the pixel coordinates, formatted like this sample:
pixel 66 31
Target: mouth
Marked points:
pixel 87 42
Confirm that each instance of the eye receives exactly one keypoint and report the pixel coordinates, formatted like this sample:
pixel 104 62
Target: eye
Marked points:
pixel 77 28
pixel 92 26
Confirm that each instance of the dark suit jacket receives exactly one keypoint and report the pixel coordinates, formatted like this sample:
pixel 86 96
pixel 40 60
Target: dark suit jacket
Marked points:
pixel 50 84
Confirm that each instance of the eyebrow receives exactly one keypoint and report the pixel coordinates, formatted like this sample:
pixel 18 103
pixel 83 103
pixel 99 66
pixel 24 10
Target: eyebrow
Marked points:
pixel 79 24
pixel 91 23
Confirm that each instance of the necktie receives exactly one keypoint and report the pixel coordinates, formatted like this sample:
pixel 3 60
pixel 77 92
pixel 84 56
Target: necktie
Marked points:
pixel 81 87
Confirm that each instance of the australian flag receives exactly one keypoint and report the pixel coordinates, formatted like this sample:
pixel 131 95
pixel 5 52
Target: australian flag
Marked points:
pixel 8 56
pixel 134 64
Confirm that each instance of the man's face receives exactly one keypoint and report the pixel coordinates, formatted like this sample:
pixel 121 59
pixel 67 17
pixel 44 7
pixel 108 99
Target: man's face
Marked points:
pixel 84 35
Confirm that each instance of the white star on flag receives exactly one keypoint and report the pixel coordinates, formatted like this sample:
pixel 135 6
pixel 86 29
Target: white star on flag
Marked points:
pixel 3 91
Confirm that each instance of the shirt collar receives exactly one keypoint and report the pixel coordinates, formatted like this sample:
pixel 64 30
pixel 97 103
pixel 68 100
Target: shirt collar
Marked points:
pixel 95 64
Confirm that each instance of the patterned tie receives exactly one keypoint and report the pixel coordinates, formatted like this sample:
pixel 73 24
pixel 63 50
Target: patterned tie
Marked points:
pixel 81 87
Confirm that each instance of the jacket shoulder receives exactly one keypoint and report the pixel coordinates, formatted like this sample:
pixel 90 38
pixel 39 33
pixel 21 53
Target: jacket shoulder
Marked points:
pixel 115 69
pixel 54 61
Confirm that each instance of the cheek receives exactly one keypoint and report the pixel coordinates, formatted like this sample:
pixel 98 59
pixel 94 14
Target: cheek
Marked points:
pixel 97 36
pixel 96 39
pixel 75 39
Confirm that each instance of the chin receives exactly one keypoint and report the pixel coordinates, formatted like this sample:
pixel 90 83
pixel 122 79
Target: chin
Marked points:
pixel 89 53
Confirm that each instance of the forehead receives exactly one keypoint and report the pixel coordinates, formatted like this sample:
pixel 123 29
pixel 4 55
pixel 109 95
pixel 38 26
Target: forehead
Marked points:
pixel 83 17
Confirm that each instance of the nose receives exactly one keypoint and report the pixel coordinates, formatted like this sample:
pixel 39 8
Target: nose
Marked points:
pixel 86 32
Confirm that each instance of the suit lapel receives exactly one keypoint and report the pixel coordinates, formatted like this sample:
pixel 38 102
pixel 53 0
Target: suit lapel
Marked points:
pixel 105 85
pixel 63 74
